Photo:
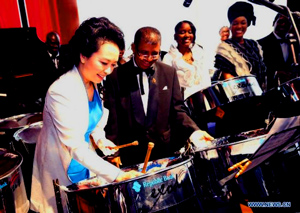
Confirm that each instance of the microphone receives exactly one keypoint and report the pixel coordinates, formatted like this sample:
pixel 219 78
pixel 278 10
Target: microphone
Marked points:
pixel 187 3
pixel 255 2
pixel 259 2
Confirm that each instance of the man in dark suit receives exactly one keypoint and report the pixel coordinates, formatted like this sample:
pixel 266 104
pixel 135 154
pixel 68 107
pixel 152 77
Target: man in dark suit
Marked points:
pixel 50 63
pixel 145 104
pixel 277 52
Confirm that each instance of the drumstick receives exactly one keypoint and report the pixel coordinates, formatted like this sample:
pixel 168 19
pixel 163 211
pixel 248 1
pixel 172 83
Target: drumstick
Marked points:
pixel 243 168
pixel 150 146
pixel 240 165
pixel 235 166
pixel 134 143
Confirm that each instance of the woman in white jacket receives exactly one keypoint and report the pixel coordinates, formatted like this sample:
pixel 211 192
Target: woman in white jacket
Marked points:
pixel 188 59
pixel 72 114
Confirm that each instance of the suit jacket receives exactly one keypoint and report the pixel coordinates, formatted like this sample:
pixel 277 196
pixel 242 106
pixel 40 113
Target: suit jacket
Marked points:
pixel 273 58
pixel 166 114
pixel 65 121
pixel 47 72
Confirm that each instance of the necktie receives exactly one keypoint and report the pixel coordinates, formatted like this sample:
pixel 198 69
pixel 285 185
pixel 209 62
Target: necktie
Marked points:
pixel 141 83
pixel 284 43
pixel 149 72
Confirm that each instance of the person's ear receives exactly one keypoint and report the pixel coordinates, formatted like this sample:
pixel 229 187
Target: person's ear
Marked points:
pixel 82 58
pixel 133 48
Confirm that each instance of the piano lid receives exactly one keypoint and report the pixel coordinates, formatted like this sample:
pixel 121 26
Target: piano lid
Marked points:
pixel 20 48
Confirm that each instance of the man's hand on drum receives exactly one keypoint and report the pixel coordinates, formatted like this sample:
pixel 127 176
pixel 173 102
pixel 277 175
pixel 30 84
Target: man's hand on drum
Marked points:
pixel 128 175
pixel 106 147
pixel 201 139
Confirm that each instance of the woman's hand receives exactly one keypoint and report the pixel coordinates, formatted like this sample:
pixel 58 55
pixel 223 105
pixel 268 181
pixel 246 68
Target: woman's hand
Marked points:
pixel 224 33
pixel 115 161
pixel 128 175
pixel 104 145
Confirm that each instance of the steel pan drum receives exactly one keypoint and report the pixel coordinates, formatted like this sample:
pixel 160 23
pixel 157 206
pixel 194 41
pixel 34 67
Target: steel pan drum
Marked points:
pixel 284 100
pixel 169 183
pixel 8 126
pixel 211 165
pixel 19 121
pixel 235 105
pixel 230 90
pixel 25 141
pixel 28 135
pixel 12 189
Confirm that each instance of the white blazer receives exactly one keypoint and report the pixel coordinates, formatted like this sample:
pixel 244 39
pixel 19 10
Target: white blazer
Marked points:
pixel 65 121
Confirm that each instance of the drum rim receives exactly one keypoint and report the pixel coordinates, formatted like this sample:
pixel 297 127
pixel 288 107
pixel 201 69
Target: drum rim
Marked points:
pixel 235 143
pixel 227 80
pixel 238 77
pixel 17 166
pixel 16 134
pixel 20 116
pixel 15 117
pixel 289 81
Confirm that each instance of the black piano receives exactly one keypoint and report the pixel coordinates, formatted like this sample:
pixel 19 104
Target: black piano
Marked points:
pixel 25 74
pixel 19 55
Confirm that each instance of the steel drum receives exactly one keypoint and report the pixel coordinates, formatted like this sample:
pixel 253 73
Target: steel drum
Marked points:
pixel 235 105
pixel 12 189
pixel 25 142
pixel 28 136
pixel 8 126
pixel 167 184
pixel 230 90
pixel 284 100
pixel 211 165
pixel 19 121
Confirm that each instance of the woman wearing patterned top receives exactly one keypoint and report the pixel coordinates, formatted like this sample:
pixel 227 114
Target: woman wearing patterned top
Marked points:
pixel 237 56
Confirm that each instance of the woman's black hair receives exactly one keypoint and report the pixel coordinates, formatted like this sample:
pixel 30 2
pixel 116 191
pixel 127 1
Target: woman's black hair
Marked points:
pixel 178 25
pixel 90 34
pixel 241 9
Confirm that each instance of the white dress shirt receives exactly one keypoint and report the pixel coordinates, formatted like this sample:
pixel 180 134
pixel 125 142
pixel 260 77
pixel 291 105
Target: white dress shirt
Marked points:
pixel 284 48
pixel 146 89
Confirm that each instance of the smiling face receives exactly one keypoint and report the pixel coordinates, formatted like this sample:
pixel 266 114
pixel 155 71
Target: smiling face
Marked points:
pixel 53 43
pixel 146 51
pixel 100 63
pixel 184 35
pixel 238 28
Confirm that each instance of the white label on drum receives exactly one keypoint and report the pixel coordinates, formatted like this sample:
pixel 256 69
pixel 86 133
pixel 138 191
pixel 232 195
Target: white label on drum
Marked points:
pixel 163 190
pixel 3 185
pixel 240 88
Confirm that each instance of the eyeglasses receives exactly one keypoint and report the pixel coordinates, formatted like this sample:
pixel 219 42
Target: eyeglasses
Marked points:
pixel 146 56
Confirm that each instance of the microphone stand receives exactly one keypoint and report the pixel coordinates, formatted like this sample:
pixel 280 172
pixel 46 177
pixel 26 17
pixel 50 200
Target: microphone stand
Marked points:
pixel 295 68
pixel 286 11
